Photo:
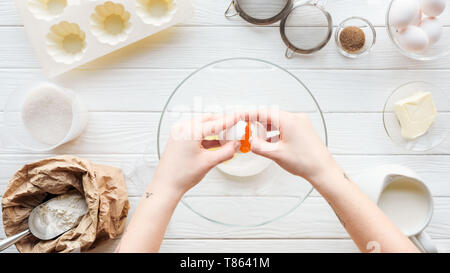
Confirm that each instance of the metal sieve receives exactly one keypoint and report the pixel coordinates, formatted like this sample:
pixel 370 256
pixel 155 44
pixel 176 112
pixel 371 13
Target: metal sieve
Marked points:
pixel 305 28
pixel 259 12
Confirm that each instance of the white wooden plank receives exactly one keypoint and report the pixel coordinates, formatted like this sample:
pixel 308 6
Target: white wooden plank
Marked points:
pixel 263 246
pixel 149 89
pixel 142 89
pixel 128 133
pixel 364 133
pixel 10 164
pixel 108 133
pixel 249 246
pixel 212 12
pixel 242 246
pixel 253 246
pixel 178 47
pixel 433 169
pixel 313 219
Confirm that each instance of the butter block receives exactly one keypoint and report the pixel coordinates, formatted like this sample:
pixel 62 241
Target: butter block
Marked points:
pixel 416 114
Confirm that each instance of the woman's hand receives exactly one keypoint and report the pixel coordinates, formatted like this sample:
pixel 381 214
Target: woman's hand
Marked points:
pixel 183 164
pixel 300 150
pixel 185 161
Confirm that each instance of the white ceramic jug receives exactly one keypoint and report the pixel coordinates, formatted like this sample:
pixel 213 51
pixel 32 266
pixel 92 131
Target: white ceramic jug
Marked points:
pixel 374 181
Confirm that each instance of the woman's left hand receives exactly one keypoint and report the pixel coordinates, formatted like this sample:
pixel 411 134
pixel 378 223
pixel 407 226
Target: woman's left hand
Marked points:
pixel 185 161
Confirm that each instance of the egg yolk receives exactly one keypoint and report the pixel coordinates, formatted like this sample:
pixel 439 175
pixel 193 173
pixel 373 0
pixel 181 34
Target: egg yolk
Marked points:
pixel 245 141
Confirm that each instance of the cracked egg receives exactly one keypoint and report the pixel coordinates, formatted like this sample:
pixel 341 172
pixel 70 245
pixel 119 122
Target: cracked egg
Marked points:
pixel 47 9
pixel 245 162
pixel 156 12
pixel 66 42
pixel 111 23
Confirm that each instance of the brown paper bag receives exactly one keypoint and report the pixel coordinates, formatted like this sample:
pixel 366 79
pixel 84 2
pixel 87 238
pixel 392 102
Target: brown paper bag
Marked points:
pixel 106 196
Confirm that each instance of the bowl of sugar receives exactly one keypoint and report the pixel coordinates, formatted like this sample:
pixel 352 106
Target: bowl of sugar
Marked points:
pixel 43 116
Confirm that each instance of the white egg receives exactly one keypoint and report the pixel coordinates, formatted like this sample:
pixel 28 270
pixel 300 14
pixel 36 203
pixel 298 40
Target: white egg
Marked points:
pixel 433 8
pixel 237 132
pixel 413 38
pixel 244 164
pixel 416 21
pixel 403 12
pixel 433 29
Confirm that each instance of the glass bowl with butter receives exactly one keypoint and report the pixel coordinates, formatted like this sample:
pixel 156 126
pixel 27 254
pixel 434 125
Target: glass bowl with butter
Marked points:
pixel 415 116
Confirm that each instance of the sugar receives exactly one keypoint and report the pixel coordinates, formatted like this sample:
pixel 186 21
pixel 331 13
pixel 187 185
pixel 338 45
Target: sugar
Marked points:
pixel 47 114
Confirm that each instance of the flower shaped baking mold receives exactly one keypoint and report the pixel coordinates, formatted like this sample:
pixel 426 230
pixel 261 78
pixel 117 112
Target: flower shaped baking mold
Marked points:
pixel 66 42
pixel 111 23
pixel 48 9
pixel 156 12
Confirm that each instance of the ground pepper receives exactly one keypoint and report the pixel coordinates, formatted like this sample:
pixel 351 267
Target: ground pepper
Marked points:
pixel 352 39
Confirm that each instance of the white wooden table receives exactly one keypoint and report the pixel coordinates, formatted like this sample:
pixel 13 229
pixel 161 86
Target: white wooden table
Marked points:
pixel 126 92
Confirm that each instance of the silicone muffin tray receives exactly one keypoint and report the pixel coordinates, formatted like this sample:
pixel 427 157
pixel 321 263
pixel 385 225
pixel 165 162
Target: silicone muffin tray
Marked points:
pixel 70 33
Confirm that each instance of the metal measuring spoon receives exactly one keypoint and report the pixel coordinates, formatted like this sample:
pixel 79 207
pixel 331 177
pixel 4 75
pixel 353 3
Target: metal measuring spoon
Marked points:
pixel 39 231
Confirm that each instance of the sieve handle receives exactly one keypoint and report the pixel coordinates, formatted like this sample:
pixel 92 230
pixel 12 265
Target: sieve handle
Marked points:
pixel 319 3
pixel 13 239
pixel 289 53
pixel 231 10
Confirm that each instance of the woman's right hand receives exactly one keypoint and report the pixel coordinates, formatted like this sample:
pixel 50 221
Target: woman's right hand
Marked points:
pixel 299 150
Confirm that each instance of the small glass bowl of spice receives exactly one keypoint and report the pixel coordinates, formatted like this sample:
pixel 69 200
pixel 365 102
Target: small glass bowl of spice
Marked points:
pixel 355 36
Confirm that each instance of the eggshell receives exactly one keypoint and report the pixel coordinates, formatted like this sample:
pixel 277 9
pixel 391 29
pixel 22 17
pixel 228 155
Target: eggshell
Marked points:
pixel 413 39
pixel 433 29
pixel 237 132
pixel 234 133
pixel 433 7
pixel 244 164
pixel 403 12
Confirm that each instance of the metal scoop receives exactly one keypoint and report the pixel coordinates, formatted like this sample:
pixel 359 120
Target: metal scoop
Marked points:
pixel 39 231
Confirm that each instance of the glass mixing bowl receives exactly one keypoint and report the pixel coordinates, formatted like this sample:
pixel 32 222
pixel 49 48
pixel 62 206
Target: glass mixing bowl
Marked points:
pixel 438 50
pixel 248 83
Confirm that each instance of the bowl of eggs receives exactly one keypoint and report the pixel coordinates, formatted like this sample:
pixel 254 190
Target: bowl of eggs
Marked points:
pixel 419 28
